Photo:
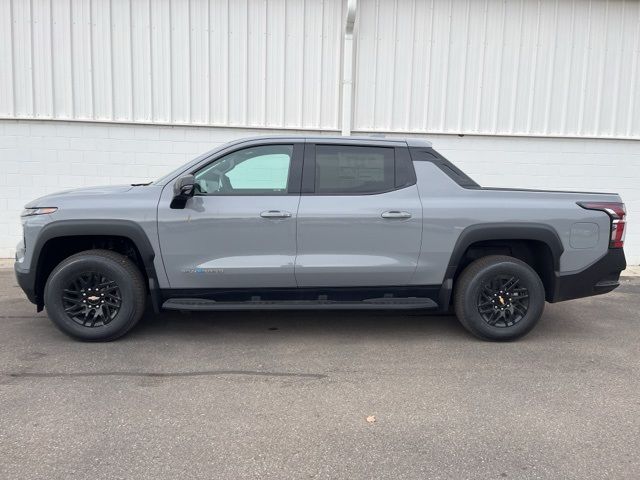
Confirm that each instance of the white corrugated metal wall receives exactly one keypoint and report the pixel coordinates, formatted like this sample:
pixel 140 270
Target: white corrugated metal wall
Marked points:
pixel 496 68
pixel 523 67
pixel 260 63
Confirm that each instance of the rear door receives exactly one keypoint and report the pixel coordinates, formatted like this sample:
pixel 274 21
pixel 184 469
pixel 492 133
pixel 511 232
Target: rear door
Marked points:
pixel 239 230
pixel 360 217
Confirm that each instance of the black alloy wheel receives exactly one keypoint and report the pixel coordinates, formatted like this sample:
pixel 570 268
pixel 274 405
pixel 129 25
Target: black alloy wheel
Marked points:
pixel 502 301
pixel 92 299
pixel 95 295
pixel 499 297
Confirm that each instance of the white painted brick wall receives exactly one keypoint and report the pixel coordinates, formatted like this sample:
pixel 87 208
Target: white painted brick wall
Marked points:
pixel 39 157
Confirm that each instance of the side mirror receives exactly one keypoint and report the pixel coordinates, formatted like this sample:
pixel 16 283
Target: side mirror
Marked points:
pixel 183 190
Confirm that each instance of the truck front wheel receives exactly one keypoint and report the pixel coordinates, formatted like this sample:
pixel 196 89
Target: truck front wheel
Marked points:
pixel 499 297
pixel 95 295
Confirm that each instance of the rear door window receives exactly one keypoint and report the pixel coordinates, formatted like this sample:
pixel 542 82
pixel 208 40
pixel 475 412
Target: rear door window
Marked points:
pixel 341 169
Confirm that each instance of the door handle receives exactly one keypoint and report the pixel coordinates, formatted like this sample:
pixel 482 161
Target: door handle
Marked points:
pixel 395 214
pixel 275 214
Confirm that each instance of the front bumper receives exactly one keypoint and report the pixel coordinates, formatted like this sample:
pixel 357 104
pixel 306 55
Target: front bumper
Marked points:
pixel 598 278
pixel 27 282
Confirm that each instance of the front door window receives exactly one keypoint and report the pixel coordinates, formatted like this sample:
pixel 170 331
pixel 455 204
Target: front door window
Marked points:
pixel 262 170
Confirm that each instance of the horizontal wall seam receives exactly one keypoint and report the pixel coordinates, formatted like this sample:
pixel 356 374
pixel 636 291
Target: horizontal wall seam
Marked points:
pixel 311 129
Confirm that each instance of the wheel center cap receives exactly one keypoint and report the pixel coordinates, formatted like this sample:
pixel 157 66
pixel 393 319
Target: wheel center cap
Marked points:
pixel 93 298
pixel 501 300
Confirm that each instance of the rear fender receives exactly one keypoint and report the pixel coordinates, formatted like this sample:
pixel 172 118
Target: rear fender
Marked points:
pixel 497 231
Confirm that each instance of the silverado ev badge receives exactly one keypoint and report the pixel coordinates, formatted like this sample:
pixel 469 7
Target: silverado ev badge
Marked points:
pixel 203 270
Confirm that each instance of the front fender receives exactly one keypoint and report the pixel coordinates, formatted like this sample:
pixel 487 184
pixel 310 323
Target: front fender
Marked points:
pixel 70 228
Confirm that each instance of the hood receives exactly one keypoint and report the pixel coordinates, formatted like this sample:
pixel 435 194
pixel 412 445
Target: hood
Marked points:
pixel 49 200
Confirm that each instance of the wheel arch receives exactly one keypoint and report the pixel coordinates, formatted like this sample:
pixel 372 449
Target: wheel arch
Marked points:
pixel 483 234
pixel 93 229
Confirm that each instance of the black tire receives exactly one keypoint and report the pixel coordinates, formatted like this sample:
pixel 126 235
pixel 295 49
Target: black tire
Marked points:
pixel 517 310
pixel 125 301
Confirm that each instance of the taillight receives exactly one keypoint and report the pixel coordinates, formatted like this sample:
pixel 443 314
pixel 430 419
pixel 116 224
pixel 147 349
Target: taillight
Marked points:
pixel 618 215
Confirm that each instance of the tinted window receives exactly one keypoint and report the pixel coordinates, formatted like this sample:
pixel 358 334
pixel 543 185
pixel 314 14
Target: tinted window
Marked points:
pixel 342 169
pixel 260 170
pixel 445 165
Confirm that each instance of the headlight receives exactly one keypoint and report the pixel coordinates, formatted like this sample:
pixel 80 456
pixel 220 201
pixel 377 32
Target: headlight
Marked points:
pixel 27 212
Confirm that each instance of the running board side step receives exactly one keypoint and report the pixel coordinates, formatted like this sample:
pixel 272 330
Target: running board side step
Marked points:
pixel 368 304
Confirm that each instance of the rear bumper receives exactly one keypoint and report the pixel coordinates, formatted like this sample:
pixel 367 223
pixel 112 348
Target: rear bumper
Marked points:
pixel 598 278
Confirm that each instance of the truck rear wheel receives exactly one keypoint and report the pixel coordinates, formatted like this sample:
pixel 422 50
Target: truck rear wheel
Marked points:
pixel 499 298
pixel 95 295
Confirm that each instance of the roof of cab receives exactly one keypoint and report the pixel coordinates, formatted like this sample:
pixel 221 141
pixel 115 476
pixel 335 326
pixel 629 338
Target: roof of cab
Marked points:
pixel 335 139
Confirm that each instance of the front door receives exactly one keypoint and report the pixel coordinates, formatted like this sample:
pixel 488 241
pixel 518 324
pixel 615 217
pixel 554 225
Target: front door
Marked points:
pixel 360 217
pixel 239 230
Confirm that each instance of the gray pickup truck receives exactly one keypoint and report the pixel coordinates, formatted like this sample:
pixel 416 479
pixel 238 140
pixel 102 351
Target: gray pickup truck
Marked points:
pixel 317 223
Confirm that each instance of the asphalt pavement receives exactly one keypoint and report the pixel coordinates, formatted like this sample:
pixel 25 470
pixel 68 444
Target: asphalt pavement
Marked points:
pixel 322 395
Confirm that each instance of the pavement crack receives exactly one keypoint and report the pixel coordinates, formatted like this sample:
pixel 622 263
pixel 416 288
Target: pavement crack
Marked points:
pixel 206 373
